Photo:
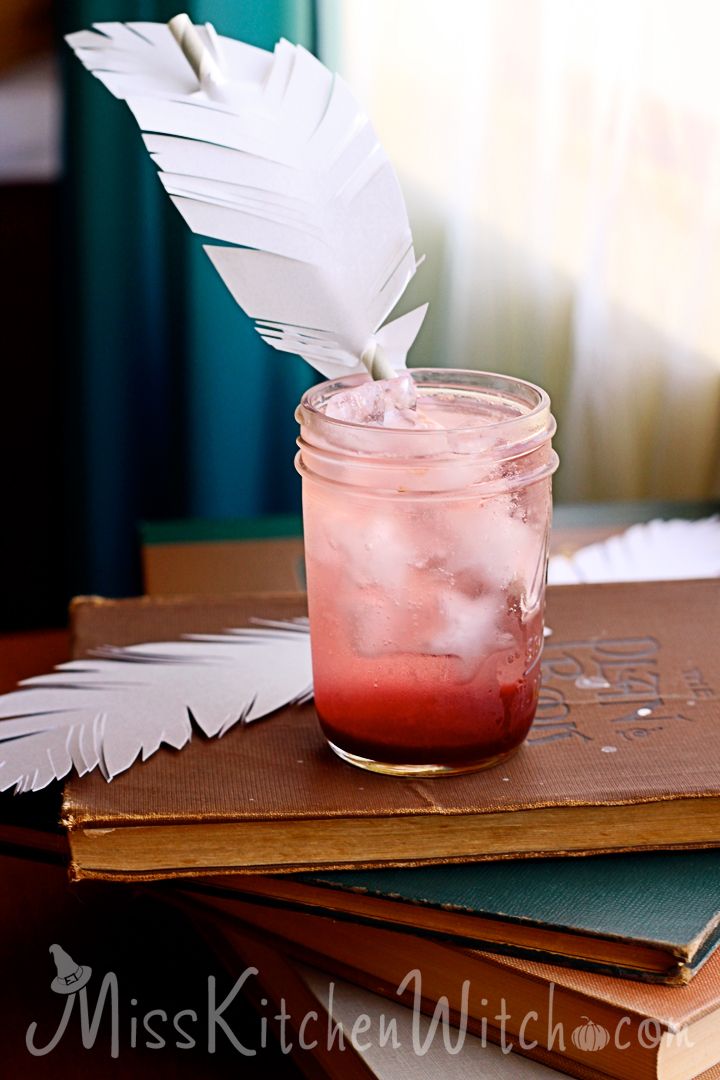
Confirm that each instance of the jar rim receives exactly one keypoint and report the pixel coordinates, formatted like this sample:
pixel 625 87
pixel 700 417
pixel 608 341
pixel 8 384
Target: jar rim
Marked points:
pixel 495 379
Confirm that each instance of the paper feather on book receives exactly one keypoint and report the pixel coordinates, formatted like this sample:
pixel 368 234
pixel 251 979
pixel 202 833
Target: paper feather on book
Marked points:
pixel 123 703
pixel 651 551
pixel 271 151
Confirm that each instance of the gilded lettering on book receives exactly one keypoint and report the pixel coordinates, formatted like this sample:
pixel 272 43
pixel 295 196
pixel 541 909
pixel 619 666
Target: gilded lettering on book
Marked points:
pixel 623 675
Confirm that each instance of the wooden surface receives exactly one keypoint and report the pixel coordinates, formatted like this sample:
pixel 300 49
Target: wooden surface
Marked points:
pixel 30 653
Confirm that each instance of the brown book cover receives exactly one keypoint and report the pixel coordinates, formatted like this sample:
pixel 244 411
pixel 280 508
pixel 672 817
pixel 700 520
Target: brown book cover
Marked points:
pixel 586 1024
pixel 339 1030
pixel 622 756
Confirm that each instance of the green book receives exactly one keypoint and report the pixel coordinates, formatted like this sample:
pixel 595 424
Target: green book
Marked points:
pixel 653 917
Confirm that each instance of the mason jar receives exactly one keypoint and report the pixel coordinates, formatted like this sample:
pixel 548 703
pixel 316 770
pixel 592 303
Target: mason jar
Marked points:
pixel 426 554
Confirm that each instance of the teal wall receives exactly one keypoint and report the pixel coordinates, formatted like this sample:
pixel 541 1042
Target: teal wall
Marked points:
pixel 174 406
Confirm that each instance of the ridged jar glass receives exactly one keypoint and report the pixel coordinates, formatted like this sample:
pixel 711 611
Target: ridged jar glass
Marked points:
pixel 426 553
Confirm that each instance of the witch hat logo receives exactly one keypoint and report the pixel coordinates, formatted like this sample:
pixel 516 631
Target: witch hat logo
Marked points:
pixel 70 977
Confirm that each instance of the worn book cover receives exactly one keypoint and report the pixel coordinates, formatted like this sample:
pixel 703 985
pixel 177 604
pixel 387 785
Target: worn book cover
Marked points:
pixel 653 916
pixel 586 1024
pixel 341 1031
pixel 622 756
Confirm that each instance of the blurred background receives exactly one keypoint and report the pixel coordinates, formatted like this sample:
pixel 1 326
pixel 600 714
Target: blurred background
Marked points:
pixel 561 164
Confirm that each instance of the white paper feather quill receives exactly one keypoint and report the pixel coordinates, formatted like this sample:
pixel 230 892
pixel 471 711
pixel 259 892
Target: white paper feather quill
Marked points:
pixel 124 703
pixel 271 153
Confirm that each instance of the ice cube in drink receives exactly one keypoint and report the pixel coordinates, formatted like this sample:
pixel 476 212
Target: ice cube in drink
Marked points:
pixel 426 591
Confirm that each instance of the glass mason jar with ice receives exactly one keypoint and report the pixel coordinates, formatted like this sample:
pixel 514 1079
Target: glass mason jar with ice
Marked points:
pixel 427 506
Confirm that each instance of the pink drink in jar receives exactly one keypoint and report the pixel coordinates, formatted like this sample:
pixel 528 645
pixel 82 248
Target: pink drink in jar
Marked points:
pixel 426 547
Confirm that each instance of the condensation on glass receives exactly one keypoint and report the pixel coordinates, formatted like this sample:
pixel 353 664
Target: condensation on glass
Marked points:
pixel 426 554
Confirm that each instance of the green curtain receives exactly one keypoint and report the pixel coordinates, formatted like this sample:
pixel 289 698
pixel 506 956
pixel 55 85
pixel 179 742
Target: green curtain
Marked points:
pixel 175 406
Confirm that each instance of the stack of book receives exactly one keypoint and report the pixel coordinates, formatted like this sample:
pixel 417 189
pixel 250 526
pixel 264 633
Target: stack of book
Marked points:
pixel 563 906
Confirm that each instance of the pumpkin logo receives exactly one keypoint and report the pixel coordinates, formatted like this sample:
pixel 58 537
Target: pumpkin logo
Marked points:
pixel 590 1036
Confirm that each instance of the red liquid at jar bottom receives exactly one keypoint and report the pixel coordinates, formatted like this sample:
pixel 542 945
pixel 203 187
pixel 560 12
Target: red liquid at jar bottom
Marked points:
pixel 414 710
